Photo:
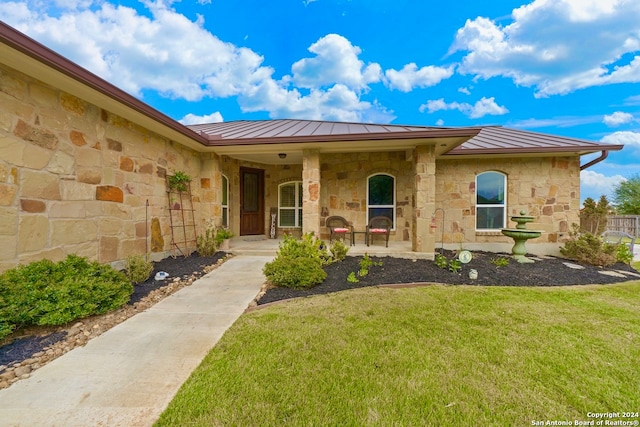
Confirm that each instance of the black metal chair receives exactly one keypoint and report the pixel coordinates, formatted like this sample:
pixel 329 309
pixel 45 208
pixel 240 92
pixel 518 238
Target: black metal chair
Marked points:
pixel 378 226
pixel 338 226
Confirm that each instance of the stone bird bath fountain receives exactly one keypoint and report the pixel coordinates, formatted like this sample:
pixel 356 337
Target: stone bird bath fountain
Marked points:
pixel 520 235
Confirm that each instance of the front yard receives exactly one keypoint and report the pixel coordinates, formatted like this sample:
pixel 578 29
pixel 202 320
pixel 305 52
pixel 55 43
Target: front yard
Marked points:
pixel 435 355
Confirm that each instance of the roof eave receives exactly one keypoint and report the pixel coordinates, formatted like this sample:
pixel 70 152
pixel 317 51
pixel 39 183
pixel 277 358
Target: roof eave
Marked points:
pixel 107 93
pixel 579 150
pixel 218 141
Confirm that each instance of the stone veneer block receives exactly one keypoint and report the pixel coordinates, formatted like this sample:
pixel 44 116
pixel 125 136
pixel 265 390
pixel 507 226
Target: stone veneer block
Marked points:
pixel 8 221
pixel 68 231
pixel 33 233
pixel 40 185
pixel 7 194
pixel 89 175
pixel 32 206
pixel 77 138
pixel 61 163
pixel 73 190
pixel 8 248
pixel 67 209
pixel 126 164
pixel 72 104
pixel 109 193
pixel 108 250
pixel 40 137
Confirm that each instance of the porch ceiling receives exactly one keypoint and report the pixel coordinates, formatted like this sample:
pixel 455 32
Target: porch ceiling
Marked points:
pixel 269 153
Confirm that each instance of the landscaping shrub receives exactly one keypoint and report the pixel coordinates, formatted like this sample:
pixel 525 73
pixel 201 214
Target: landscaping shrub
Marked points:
pixel 137 268
pixel 298 263
pixel 48 293
pixel 206 242
pixel 590 249
pixel 338 250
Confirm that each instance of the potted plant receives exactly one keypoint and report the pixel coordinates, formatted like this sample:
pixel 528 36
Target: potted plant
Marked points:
pixel 222 238
pixel 178 181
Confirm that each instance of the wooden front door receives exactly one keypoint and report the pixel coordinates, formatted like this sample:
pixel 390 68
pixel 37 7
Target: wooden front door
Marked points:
pixel 251 201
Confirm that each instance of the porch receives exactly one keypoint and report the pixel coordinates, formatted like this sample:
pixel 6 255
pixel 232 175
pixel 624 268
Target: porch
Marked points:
pixel 262 245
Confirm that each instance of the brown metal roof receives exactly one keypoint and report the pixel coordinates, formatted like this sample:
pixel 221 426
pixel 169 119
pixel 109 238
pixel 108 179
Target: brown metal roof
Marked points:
pixel 248 132
pixel 500 140
pixel 484 140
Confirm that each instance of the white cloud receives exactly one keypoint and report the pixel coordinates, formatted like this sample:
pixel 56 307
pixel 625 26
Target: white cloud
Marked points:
pixel 337 103
pixel 618 118
pixel 594 184
pixel 410 76
pixel 439 122
pixel 483 107
pixel 632 100
pixel 464 90
pixel 628 138
pixel 336 61
pixel 192 119
pixel 545 45
pixel 561 122
pixel 127 48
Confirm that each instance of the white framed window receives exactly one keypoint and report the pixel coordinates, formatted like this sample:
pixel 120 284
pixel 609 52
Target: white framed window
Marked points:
pixel 290 204
pixel 381 197
pixel 491 201
pixel 225 201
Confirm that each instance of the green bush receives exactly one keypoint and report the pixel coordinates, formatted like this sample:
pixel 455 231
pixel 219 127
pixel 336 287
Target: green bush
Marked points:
pixel 589 249
pixel 48 293
pixel 500 261
pixel 298 263
pixel 137 268
pixel 624 254
pixel 206 242
pixel 338 250
pixel 441 261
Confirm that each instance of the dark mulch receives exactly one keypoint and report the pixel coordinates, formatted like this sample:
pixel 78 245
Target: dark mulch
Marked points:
pixel 21 348
pixel 546 272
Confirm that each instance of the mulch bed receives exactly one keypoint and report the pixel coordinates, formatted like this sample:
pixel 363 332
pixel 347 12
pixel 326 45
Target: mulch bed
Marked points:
pixel 22 344
pixel 544 272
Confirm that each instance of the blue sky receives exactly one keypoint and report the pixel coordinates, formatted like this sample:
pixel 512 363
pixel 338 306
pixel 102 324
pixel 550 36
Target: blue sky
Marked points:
pixel 566 67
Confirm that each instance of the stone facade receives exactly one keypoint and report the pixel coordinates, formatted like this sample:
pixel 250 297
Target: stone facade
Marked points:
pixel 344 188
pixel 75 178
pixel 546 188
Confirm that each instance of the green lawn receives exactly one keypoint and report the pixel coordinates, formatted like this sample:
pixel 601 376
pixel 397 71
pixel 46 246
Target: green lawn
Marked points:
pixel 438 355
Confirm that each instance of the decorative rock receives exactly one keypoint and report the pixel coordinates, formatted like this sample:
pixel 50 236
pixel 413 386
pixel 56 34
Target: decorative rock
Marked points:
pixel 611 273
pixel 22 370
pixel 573 266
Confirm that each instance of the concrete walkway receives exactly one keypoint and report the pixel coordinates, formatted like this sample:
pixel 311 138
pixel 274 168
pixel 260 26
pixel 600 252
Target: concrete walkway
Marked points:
pixel 128 375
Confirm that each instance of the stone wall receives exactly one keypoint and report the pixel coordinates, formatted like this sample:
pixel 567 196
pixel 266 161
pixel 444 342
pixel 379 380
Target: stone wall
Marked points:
pixel 546 188
pixel 75 178
pixel 274 175
pixel 344 188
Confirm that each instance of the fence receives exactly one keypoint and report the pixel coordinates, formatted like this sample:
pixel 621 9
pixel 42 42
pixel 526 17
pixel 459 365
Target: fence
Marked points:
pixel 629 224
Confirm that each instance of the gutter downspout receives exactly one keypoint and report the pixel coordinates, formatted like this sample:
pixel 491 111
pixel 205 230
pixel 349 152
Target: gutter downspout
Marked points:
pixel 603 156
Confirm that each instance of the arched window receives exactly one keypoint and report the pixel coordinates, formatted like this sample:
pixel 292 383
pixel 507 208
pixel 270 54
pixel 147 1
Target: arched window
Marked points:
pixel 381 197
pixel 290 204
pixel 225 201
pixel 491 200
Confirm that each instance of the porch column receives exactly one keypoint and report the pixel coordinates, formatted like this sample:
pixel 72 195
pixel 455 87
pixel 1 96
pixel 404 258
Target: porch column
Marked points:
pixel 311 191
pixel 211 185
pixel 424 194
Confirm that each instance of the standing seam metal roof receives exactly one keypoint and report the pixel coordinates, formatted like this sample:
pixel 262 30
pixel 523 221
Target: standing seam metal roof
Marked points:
pixel 482 140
